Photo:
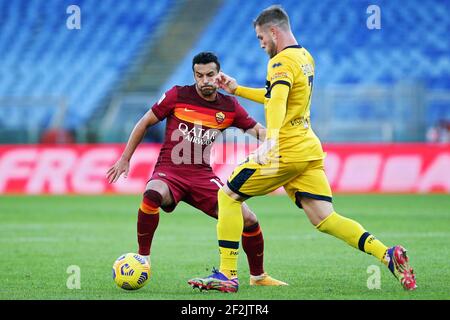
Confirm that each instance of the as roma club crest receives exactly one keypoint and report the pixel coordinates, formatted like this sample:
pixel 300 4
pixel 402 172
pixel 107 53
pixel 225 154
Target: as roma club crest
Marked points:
pixel 220 116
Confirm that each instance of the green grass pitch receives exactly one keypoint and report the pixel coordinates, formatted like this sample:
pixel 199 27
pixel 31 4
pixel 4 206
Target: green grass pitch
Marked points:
pixel 41 236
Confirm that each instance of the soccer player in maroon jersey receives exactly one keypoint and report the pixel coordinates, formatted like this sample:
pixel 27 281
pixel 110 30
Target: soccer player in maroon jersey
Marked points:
pixel 196 115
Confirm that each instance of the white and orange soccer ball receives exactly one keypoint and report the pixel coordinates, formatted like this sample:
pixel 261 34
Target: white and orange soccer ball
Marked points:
pixel 131 271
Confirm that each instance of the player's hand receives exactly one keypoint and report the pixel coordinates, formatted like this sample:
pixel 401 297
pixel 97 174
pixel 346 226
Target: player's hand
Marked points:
pixel 260 156
pixel 263 154
pixel 121 166
pixel 227 83
pixel 262 159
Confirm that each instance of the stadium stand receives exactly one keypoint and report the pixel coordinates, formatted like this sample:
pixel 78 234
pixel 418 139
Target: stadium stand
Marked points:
pixel 411 48
pixel 75 69
pixel 389 84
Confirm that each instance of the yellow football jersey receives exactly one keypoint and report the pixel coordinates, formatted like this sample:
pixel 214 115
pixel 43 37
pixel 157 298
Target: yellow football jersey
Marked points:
pixel 294 67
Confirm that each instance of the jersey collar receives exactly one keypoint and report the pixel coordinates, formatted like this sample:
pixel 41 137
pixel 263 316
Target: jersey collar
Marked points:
pixel 293 46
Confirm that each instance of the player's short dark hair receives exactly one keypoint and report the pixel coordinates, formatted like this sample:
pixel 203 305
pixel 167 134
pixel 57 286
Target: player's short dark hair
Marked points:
pixel 205 58
pixel 274 14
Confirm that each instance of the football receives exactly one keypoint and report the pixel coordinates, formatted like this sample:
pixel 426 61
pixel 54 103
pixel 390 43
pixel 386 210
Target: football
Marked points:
pixel 131 271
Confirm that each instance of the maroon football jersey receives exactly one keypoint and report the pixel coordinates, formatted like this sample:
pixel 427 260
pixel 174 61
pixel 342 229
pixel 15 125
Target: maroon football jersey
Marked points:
pixel 193 124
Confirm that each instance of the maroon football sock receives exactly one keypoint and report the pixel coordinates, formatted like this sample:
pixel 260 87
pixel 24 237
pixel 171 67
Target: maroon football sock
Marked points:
pixel 148 219
pixel 253 245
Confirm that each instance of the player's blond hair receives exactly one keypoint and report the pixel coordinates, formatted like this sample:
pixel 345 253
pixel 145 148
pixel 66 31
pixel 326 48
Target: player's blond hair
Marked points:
pixel 273 15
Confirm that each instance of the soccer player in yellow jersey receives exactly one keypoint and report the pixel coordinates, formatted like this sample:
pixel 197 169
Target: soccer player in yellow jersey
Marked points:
pixel 291 156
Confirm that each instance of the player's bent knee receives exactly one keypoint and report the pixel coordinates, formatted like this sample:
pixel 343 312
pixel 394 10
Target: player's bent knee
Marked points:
pixel 151 202
pixel 154 196
pixel 163 189
pixel 231 193
pixel 316 210
pixel 159 186
pixel 249 216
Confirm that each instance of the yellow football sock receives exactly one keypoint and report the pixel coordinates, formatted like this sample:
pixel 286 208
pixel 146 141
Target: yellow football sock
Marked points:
pixel 229 230
pixel 353 233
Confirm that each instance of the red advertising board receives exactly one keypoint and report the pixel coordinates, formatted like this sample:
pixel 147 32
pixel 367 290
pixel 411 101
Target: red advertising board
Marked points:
pixel 47 169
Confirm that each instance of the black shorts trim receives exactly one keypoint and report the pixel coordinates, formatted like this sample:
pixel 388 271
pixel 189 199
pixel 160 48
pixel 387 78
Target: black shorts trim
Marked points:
pixel 239 180
pixel 243 195
pixel 300 194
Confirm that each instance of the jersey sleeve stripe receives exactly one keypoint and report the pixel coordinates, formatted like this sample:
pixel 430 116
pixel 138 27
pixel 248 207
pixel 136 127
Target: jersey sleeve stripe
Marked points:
pixel 286 83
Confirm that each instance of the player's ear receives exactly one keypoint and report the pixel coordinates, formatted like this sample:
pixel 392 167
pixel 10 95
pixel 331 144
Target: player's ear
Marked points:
pixel 274 33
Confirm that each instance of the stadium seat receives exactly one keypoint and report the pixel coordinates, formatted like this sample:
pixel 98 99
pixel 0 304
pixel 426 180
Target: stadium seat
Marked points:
pixel 41 57
pixel 411 45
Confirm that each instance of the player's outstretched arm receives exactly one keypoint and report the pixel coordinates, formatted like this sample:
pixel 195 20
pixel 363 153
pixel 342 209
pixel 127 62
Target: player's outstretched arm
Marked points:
pixel 275 114
pixel 231 86
pixel 258 131
pixel 123 164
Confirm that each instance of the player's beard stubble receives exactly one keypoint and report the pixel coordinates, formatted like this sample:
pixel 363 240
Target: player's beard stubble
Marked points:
pixel 271 49
pixel 207 90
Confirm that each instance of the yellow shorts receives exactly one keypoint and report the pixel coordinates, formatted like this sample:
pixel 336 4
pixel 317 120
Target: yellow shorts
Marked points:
pixel 299 179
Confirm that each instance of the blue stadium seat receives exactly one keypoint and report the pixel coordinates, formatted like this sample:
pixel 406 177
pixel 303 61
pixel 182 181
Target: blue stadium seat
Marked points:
pixel 412 44
pixel 41 57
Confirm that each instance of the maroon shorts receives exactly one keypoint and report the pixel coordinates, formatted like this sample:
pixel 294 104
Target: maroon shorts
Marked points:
pixel 197 187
